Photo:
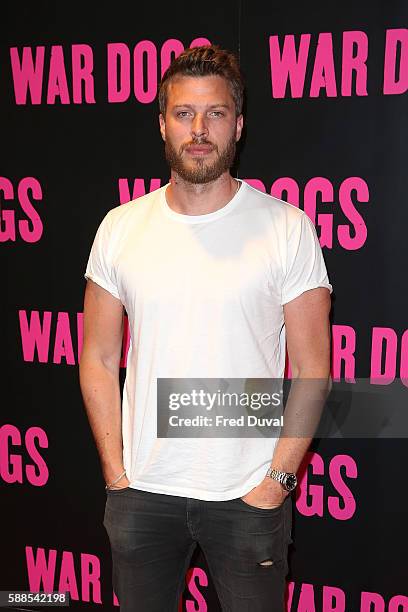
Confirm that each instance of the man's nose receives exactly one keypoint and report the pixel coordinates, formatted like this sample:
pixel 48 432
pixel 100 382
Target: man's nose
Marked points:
pixel 199 126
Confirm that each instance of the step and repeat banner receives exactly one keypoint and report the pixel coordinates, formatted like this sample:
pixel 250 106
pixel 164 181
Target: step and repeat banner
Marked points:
pixel 326 130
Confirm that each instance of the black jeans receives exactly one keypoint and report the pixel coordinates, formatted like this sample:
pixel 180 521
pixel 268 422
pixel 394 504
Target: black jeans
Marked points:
pixel 153 537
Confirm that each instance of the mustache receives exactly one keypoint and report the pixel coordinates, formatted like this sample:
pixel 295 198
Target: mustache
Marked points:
pixel 199 141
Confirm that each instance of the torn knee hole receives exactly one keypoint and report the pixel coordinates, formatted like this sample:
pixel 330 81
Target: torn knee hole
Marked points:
pixel 266 562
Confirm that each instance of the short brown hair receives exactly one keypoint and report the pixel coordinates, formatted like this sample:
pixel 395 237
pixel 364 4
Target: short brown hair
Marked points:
pixel 203 61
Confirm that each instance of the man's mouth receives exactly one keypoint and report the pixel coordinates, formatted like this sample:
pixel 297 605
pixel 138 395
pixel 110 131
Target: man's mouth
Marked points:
pixel 199 149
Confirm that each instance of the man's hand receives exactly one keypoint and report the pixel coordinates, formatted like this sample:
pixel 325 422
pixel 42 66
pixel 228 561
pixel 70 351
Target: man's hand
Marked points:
pixel 267 495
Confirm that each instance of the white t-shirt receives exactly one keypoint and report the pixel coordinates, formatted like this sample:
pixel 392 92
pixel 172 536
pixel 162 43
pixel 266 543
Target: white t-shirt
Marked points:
pixel 204 296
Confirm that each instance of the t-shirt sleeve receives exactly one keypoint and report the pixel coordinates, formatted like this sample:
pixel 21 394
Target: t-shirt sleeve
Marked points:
pixel 305 267
pixel 99 267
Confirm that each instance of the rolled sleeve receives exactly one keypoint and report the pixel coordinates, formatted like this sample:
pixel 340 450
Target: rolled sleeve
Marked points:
pixel 99 268
pixel 305 266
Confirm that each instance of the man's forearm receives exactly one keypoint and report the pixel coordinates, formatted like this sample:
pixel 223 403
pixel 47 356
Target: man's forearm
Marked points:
pixel 101 394
pixel 301 417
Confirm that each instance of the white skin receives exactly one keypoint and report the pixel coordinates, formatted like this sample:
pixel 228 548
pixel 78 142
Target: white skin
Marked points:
pixel 197 108
pixel 200 108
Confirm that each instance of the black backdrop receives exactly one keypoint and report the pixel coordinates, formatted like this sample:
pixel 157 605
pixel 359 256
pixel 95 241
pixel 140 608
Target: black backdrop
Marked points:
pixel 70 153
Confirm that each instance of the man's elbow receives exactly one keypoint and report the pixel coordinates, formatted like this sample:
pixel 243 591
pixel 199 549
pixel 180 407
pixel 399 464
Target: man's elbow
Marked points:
pixel 93 362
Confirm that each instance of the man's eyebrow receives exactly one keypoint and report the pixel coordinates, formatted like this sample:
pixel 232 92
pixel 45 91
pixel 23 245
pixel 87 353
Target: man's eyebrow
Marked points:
pixel 191 106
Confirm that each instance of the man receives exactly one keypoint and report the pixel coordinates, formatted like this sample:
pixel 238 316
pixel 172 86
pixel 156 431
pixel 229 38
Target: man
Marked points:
pixel 215 277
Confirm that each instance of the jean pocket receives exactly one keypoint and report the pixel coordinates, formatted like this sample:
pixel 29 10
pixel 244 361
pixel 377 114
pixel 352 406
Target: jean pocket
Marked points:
pixel 116 491
pixel 276 509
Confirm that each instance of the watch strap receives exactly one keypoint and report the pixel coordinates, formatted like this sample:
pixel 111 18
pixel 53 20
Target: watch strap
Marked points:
pixel 282 477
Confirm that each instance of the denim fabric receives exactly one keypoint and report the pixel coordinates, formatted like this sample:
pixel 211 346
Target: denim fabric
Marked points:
pixel 153 537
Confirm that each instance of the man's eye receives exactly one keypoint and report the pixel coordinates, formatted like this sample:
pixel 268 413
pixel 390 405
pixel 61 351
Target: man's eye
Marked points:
pixel 217 113
pixel 182 114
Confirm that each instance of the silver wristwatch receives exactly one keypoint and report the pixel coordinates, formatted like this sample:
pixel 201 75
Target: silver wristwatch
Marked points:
pixel 287 479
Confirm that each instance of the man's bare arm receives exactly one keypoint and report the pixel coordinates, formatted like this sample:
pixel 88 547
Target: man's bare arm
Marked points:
pixel 308 341
pixel 99 376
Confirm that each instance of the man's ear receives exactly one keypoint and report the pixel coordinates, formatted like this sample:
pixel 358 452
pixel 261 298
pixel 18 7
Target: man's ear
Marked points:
pixel 162 127
pixel 240 125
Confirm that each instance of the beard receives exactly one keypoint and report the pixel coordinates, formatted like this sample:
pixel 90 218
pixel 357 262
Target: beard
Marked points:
pixel 198 170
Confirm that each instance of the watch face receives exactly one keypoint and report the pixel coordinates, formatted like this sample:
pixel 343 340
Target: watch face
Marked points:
pixel 291 482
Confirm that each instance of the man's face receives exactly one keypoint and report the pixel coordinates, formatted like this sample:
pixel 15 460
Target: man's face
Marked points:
pixel 200 128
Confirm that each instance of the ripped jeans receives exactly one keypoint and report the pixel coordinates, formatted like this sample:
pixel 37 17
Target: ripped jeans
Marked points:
pixel 153 536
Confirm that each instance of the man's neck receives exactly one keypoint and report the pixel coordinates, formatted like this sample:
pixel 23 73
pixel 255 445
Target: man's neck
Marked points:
pixel 190 199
